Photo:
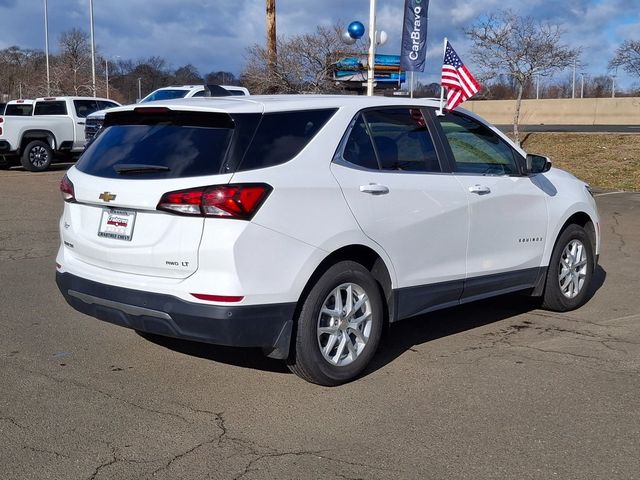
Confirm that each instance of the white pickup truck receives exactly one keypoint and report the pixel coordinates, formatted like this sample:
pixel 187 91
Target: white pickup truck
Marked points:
pixel 56 127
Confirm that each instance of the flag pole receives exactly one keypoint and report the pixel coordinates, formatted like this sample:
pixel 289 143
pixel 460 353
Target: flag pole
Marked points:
pixel 411 83
pixel 444 51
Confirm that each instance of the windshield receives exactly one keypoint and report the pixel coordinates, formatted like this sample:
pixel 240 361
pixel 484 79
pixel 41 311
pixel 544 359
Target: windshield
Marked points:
pixel 164 95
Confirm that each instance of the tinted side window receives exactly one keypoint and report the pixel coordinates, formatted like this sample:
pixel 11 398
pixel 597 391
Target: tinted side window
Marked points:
pixel 282 135
pixel 358 149
pixel 50 108
pixel 85 107
pixel 18 110
pixel 402 140
pixel 476 148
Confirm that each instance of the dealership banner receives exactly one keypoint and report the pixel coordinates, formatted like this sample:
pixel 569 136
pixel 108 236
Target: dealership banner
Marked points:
pixel 414 35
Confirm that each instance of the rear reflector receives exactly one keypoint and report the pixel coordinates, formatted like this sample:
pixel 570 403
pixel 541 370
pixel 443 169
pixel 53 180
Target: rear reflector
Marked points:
pixel 66 188
pixel 240 201
pixel 217 298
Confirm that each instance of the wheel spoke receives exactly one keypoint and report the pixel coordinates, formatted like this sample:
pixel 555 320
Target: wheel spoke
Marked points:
pixel 330 344
pixel 330 313
pixel 351 348
pixel 340 350
pixel 358 334
pixel 338 299
pixel 328 330
pixel 349 301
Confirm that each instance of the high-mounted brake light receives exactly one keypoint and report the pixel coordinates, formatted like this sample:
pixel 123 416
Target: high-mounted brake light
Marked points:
pixel 66 188
pixel 240 201
pixel 151 110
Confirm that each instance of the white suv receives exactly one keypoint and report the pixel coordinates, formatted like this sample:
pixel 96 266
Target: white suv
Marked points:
pixel 302 224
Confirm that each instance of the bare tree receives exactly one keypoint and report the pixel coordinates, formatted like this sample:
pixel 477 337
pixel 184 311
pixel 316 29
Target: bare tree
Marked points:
pixel 304 63
pixel 628 57
pixel 72 69
pixel 187 75
pixel 521 47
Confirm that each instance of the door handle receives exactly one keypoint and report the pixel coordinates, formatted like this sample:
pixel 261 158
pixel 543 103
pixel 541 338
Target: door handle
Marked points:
pixel 81 122
pixel 374 189
pixel 479 189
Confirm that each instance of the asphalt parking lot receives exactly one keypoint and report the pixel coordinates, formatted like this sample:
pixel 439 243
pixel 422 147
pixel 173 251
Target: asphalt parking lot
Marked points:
pixel 496 389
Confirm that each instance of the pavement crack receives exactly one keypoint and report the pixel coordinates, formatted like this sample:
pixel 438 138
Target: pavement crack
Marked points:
pixel 12 422
pixel 614 230
pixel 42 450
pixel 217 440
pixel 111 461
pixel 105 394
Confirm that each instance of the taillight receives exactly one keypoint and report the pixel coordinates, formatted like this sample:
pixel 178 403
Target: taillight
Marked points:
pixel 66 187
pixel 221 201
pixel 217 298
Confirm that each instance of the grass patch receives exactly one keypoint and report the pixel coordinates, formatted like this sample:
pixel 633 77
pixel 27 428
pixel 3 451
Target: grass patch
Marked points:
pixel 608 161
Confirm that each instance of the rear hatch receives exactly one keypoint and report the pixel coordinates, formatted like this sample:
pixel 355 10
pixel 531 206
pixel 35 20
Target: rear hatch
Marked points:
pixel 118 182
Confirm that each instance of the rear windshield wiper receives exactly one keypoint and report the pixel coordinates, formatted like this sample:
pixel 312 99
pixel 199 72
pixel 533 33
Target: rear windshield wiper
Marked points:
pixel 126 168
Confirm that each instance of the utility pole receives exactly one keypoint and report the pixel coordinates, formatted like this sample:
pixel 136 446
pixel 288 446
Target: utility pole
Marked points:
pixel 573 88
pixel 271 38
pixel 93 49
pixel 46 45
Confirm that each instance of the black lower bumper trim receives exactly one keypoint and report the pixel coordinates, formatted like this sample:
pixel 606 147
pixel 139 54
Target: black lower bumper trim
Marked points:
pixel 264 326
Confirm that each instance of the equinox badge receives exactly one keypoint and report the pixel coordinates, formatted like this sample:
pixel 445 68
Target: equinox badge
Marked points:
pixel 107 196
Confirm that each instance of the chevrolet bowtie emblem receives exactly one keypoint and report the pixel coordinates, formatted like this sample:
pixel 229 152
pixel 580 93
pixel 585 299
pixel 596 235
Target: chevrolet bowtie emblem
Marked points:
pixel 107 196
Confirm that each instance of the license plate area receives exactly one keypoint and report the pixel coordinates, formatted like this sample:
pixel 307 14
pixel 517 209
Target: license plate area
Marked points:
pixel 117 224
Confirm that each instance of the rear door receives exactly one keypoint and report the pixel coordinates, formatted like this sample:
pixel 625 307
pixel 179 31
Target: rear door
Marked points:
pixel 508 212
pixel 121 178
pixel 391 176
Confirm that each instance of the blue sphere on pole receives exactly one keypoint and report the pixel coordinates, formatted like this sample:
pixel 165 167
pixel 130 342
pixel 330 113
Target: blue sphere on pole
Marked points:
pixel 356 30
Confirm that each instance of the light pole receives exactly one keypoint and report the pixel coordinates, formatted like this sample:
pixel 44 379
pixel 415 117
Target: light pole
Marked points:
pixel 93 49
pixel 537 86
pixel 372 46
pixel 139 88
pixel 581 84
pixel 46 44
pixel 106 74
pixel 573 85
pixel 613 86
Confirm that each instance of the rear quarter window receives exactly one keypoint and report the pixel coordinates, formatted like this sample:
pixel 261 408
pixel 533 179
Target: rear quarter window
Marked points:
pixel 18 110
pixel 282 135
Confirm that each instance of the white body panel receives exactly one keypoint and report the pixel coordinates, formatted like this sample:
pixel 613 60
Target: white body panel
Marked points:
pixel 428 229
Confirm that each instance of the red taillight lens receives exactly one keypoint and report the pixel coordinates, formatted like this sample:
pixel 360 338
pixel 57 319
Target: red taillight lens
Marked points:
pixel 222 201
pixel 66 187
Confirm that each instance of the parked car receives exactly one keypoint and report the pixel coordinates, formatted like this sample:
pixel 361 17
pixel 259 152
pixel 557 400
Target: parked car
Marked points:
pixel 56 127
pixel 19 108
pixel 2 106
pixel 303 224
pixel 96 119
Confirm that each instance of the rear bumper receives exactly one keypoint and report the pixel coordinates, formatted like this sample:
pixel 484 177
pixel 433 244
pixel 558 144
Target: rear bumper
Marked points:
pixel 264 326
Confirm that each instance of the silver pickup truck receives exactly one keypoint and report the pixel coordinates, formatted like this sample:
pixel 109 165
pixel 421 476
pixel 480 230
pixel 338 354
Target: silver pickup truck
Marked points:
pixel 56 127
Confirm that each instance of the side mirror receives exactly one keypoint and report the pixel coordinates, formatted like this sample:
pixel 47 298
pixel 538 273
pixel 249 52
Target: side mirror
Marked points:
pixel 537 164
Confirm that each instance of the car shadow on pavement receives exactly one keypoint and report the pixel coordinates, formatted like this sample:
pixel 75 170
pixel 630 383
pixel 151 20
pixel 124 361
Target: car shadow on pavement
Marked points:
pixel 402 336
pixel 398 338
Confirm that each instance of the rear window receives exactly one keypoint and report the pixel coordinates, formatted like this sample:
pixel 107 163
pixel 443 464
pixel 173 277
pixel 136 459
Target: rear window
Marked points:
pixel 18 110
pixel 165 95
pixel 166 146
pixel 281 136
pixel 51 108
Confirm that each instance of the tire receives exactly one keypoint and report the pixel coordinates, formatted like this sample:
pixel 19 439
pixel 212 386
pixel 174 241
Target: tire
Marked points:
pixel 332 350
pixel 37 156
pixel 570 271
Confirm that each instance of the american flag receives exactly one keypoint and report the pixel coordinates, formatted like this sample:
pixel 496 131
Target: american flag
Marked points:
pixel 457 78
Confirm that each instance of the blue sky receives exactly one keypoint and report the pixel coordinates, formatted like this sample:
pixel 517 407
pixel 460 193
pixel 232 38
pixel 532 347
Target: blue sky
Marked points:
pixel 213 34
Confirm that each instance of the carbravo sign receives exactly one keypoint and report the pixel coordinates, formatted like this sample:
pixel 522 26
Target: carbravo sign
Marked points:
pixel 414 35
